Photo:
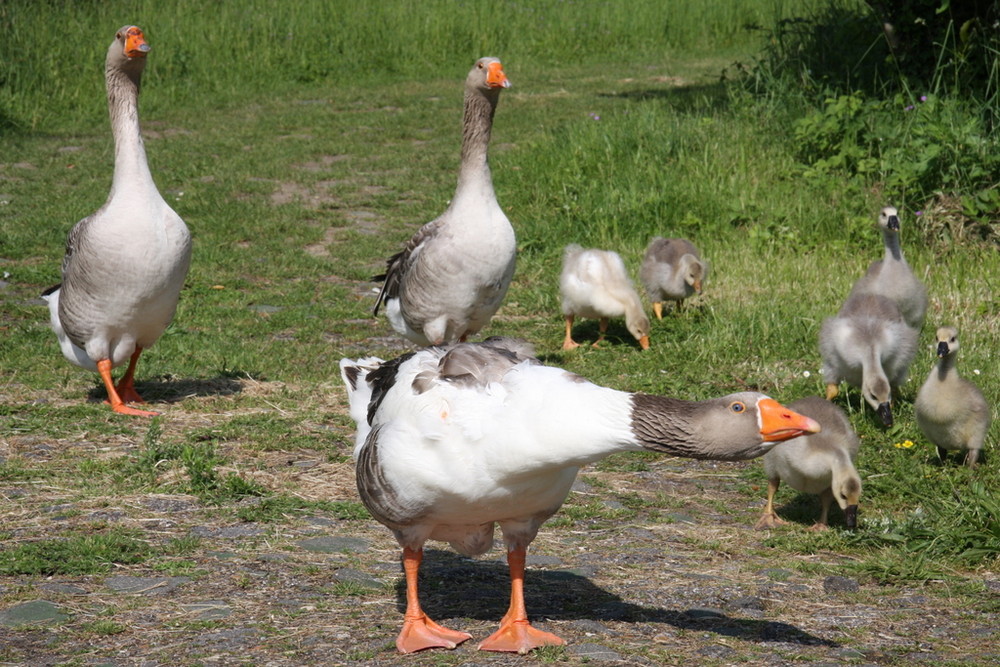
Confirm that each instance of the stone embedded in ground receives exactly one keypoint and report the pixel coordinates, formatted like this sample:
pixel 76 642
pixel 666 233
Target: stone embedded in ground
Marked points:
pixel 746 602
pixel 228 532
pixel 36 612
pixel 352 576
pixel 716 651
pixel 591 651
pixel 331 545
pixel 145 585
pixel 837 584
pixel 64 589
pixel 539 560
pixel 209 610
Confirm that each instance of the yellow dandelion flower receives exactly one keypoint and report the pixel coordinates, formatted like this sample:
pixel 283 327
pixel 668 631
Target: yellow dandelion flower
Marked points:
pixel 906 444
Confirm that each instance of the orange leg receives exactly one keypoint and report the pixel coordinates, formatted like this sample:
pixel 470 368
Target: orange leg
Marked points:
pixel 770 518
pixel 117 404
pixel 602 328
pixel 420 632
pixel 568 342
pixel 658 309
pixel 126 386
pixel 515 633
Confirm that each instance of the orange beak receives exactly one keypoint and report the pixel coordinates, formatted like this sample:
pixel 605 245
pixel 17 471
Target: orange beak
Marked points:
pixel 778 423
pixel 644 342
pixel 135 43
pixel 495 78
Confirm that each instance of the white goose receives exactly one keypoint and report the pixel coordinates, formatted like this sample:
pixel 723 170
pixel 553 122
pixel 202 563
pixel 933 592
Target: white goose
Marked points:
pixel 450 278
pixel 452 440
pixel 869 345
pixel 671 269
pixel 820 463
pixel 125 264
pixel 892 277
pixel 951 411
pixel 595 283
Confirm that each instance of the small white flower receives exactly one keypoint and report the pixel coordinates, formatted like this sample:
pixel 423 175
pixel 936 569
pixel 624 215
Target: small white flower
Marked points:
pixel 976 371
pixel 806 374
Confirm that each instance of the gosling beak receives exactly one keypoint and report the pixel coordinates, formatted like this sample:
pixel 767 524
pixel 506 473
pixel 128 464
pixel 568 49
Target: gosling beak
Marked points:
pixel 135 43
pixel 644 342
pixel 884 412
pixel 894 223
pixel 778 423
pixel 851 516
pixel 942 348
pixel 495 78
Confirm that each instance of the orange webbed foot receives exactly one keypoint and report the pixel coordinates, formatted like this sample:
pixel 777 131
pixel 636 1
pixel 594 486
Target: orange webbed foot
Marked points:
pixel 121 408
pixel 423 633
pixel 769 520
pixel 519 637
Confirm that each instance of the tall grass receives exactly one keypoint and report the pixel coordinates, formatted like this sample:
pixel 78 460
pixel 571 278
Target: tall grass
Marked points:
pixel 211 53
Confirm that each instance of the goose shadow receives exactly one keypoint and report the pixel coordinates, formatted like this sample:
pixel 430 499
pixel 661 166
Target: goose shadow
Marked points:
pixel 454 586
pixel 166 389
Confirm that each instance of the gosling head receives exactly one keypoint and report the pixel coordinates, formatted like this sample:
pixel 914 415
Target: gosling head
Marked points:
pixel 888 218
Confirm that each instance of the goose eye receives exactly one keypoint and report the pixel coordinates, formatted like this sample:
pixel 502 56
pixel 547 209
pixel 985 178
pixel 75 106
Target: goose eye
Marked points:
pixel 737 407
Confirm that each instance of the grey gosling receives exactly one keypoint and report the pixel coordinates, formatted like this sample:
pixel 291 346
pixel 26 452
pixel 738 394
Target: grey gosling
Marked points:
pixel 821 463
pixel 869 345
pixel 671 269
pixel 892 277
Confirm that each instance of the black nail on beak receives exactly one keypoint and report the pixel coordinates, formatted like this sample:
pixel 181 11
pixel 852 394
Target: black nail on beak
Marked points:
pixel 884 412
pixel 851 516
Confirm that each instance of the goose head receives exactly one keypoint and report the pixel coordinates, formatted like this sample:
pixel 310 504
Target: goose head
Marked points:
pixel 888 219
pixel 730 428
pixel 947 341
pixel 128 51
pixel 488 74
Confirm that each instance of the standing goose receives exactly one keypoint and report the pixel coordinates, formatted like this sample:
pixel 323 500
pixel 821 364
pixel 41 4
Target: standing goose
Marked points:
pixel 869 345
pixel 451 276
pixel 595 283
pixel 671 269
pixel 125 264
pixel 892 277
pixel 821 463
pixel 951 411
pixel 452 440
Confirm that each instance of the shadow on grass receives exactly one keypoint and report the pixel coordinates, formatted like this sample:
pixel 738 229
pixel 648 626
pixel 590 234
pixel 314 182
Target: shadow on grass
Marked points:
pixel 175 390
pixel 454 586
pixel 700 98
pixel 585 333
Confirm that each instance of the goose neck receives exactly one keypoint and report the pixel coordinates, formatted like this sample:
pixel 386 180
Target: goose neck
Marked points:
pixel 892 249
pixel 946 367
pixel 662 424
pixel 123 105
pixel 474 172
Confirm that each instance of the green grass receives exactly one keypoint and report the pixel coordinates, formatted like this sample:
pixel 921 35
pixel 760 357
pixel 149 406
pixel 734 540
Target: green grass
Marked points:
pixel 74 554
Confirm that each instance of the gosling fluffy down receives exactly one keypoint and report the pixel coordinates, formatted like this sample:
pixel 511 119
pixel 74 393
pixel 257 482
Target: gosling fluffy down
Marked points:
pixel 951 411
pixel 820 463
